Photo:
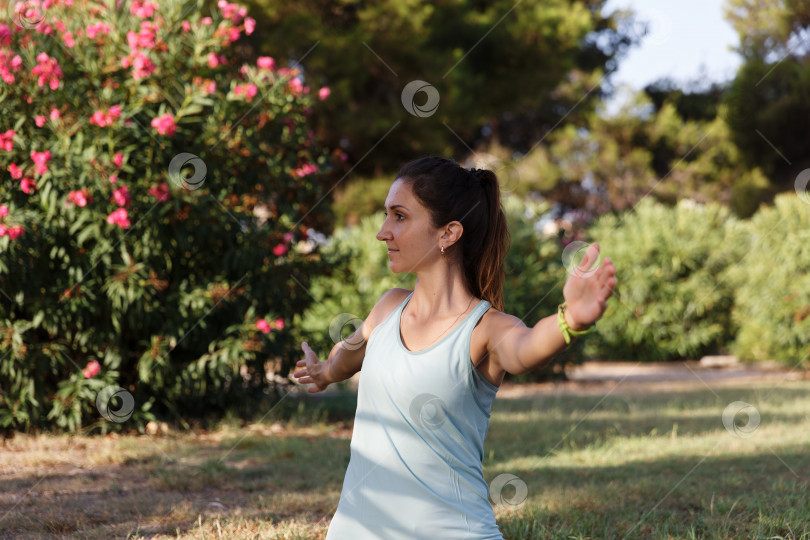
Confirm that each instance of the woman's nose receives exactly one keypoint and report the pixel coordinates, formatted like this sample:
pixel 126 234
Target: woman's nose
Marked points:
pixel 383 233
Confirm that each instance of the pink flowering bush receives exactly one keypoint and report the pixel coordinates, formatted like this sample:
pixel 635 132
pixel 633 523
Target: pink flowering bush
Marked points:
pixel 155 189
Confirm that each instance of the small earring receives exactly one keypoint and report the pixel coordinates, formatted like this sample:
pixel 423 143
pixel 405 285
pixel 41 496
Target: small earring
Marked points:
pixel 442 250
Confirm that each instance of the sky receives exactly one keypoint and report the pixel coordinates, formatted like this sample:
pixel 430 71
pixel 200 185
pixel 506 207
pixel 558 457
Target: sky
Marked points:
pixel 689 40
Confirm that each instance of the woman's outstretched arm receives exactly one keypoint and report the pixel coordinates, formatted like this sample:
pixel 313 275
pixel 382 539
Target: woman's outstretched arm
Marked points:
pixel 519 349
pixel 346 357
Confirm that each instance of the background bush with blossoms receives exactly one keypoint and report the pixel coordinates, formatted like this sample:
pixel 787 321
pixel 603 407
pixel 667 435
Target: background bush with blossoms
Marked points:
pixel 156 195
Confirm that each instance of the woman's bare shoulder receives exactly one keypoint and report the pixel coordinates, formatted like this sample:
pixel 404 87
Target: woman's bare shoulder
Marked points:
pixel 387 303
pixel 495 323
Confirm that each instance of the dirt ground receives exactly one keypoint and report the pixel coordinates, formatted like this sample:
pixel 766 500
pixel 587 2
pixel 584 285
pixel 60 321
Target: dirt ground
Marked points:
pixel 602 377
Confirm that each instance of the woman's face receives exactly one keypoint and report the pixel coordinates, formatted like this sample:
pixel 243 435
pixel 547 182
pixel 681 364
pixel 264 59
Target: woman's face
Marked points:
pixel 412 242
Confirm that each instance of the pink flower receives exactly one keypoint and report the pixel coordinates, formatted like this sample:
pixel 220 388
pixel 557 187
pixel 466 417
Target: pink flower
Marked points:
pixel 211 87
pixel 47 70
pixel 91 369
pixel 206 21
pixel 104 118
pixel 3 211
pixel 97 28
pixel 118 159
pixel 113 178
pixel 161 192
pixel 14 232
pixel 67 37
pixel 54 114
pixel 5 35
pixel 16 172
pixel 279 250
pixel 7 140
pixel 288 237
pixel 119 217
pixel 279 323
pixel 249 90
pixel 266 62
pixel 79 198
pixel 213 60
pixel 142 10
pixel 9 65
pixel 304 170
pixel 40 120
pixel 234 12
pixel 164 124
pixel 145 38
pixel 324 92
pixel 121 196
pixel 142 66
pixel 41 161
pixel 250 25
pixel 186 26
pixel 263 326
pixel 3 231
pixel 27 185
pixel 295 86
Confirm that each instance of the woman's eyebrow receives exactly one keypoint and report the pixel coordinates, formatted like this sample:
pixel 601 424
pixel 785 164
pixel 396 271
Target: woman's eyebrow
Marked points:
pixel 396 206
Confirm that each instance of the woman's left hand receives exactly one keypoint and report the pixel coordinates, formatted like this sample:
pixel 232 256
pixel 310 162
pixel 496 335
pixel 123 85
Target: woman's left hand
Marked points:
pixel 586 291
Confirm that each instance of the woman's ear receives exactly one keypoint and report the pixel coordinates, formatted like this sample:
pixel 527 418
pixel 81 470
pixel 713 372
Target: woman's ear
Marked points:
pixel 452 233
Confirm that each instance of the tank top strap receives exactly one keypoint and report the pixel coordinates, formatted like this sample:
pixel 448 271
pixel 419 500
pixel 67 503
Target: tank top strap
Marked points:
pixel 475 315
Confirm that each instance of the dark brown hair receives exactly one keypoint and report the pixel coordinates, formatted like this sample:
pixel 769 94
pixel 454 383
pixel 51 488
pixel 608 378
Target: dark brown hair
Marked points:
pixel 472 197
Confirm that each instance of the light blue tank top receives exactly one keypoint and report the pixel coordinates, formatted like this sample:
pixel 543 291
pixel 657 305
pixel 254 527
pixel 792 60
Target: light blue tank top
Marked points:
pixel 417 445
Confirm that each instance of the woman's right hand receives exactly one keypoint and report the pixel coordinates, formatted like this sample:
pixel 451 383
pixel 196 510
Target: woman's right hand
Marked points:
pixel 312 371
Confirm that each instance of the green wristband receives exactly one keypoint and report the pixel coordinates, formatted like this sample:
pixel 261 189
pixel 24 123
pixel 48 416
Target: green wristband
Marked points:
pixel 566 330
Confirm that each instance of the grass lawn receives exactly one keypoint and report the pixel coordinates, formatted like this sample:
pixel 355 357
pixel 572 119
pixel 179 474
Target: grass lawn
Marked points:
pixel 620 464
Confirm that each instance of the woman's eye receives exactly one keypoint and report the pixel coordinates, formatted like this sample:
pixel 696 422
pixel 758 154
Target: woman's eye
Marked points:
pixel 398 215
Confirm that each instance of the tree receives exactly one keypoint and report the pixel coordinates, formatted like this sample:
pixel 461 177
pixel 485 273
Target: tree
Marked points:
pixel 502 71
pixel 767 103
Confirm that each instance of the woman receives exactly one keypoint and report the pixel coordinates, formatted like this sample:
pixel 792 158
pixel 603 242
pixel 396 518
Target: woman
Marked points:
pixel 432 358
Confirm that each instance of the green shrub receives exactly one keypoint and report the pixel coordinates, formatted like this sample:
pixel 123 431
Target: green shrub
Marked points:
pixel 672 299
pixel 772 283
pixel 116 273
